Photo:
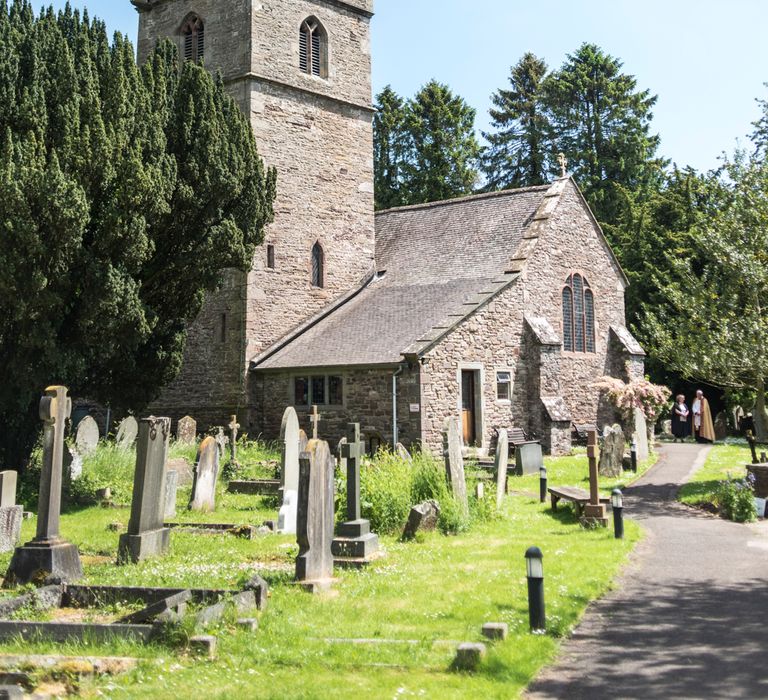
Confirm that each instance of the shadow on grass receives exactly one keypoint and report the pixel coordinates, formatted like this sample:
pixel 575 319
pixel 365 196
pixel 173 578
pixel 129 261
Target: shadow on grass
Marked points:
pixel 699 491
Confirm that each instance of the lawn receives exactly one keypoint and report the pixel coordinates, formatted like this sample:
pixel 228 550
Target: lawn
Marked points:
pixel 418 602
pixel 724 461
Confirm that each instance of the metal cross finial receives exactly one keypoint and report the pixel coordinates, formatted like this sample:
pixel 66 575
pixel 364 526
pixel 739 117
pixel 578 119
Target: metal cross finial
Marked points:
pixel 563 161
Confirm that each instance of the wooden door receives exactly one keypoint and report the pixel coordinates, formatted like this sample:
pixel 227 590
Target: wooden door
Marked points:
pixel 468 406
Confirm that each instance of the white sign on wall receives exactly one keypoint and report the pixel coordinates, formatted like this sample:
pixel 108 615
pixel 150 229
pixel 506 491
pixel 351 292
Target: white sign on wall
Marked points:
pixel 415 408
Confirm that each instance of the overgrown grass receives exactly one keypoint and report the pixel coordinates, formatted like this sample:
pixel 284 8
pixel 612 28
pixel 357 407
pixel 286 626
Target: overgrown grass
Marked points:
pixel 723 462
pixel 418 601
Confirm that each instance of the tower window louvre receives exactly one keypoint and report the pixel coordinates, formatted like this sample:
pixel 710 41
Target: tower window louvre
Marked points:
pixel 193 32
pixel 313 48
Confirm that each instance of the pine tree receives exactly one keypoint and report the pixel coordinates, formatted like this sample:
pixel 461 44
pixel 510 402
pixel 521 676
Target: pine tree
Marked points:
pixel 443 148
pixel 390 149
pixel 601 121
pixel 124 195
pixel 516 155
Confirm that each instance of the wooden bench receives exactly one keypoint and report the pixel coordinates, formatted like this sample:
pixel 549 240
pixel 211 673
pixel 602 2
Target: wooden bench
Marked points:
pixel 579 497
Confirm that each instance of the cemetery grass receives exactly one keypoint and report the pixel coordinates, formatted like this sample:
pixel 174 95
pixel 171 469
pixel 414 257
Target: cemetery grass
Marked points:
pixel 420 601
pixel 724 461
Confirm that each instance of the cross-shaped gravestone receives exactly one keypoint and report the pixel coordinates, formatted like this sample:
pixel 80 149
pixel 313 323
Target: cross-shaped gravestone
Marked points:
pixel 315 419
pixel 594 511
pixel 355 539
pixel 233 426
pixel 48 554
pixel 352 451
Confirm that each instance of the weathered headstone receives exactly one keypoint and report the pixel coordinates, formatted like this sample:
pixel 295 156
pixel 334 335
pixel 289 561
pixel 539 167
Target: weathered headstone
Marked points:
pixel 355 539
pixel 171 487
pixel 738 414
pixel 289 471
pixel 47 554
pixel 146 536
pixel 303 441
pixel 87 437
pixel 721 426
pixel 73 461
pixel 479 491
pixel 206 473
pixel 127 432
pixel 10 514
pixel 641 435
pixel 529 458
pixel 666 427
pixel 315 419
pixel 221 443
pixel 340 453
pixel 454 462
pixel 422 517
pixel 233 426
pixel 500 464
pixel 186 431
pixel 612 454
pixel 314 563
pixel 402 452
pixel 594 511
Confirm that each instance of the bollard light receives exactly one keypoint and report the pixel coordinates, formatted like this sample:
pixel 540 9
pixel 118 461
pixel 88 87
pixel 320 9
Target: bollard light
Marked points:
pixel 617 503
pixel 542 484
pixel 534 564
pixel 633 455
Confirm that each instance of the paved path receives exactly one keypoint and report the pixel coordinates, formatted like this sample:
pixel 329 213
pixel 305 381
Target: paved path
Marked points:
pixel 688 619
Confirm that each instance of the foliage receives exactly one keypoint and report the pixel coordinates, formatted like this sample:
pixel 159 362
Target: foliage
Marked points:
pixel 516 155
pixel 637 393
pixel 722 463
pixel 125 193
pixel 736 500
pixel 715 328
pixel 425 149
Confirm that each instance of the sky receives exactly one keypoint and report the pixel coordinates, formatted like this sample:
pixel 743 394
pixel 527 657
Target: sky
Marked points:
pixel 707 60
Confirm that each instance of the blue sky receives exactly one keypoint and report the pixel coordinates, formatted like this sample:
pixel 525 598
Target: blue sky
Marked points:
pixel 706 60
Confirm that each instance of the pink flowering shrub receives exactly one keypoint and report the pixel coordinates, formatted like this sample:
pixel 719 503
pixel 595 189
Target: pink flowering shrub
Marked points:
pixel 639 393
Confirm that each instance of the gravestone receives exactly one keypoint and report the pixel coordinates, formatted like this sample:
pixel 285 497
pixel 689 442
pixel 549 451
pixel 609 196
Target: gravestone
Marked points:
pixel 206 473
pixel 186 431
pixel 315 419
pixel 500 462
pixel 73 461
pixel 355 539
pixel 289 471
pixel 171 487
pixel 529 458
pixel 233 426
pixel 87 437
pixel 594 511
pixel 303 441
pixel 738 415
pixel 340 453
pixel 641 435
pixel 721 426
pixel 422 517
pixel 146 536
pixel 127 432
pixel 454 462
pixel 402 452
pixel 10 514
pixel 314 563
pixel 666 427
pixel 221 443
pixel 48 555
pixel 612 454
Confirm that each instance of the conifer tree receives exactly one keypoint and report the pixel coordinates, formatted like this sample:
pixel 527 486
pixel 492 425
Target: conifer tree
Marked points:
pixel 516 155
pixel 125 192
pixel 390 149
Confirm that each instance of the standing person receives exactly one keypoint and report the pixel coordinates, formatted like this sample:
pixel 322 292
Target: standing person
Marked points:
pixel 703 430
pixel 680 416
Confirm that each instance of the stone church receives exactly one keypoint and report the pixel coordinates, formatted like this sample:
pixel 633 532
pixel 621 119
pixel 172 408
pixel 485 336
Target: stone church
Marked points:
pixel 499 308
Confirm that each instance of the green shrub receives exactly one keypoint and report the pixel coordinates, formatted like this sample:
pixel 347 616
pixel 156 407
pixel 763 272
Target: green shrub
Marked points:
pixel 385 491
pixel 736 500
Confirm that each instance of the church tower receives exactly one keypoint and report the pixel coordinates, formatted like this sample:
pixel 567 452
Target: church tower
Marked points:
pixel 301 71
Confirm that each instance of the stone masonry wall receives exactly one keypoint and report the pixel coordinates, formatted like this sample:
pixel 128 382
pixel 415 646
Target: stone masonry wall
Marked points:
pixel 317 132
pixel 367 400
pixel 494 337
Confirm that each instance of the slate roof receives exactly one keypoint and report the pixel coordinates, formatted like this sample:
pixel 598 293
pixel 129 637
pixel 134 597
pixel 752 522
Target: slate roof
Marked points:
pixel 436 263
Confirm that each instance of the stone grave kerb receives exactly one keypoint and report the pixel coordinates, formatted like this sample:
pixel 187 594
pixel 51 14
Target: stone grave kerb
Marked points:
pixel 48 554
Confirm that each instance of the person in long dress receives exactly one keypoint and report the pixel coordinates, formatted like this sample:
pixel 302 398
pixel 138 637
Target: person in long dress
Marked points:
pixel 703 429
pixel 680 419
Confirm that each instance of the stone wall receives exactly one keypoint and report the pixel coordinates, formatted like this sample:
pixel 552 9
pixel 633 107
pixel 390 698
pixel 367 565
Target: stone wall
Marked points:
pixel 367 400
pixel 317 132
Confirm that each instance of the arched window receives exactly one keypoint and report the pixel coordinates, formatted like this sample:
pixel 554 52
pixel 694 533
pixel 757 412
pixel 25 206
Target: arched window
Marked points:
pixel 313 56
pixel 578 315
pixel 318 266
pixel 193 33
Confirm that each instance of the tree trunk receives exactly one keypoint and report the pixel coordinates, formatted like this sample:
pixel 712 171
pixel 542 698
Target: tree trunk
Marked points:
pixel 760 414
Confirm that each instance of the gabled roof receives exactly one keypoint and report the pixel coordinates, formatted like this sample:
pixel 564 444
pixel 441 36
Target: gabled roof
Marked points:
pixel 436 265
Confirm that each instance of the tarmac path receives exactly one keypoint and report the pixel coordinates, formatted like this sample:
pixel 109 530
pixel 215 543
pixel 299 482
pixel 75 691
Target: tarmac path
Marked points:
pixel 689 615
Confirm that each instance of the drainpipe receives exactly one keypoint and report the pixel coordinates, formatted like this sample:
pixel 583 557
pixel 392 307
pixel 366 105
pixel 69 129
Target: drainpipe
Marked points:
pixel 397 373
